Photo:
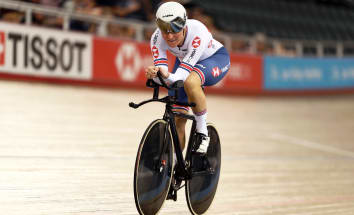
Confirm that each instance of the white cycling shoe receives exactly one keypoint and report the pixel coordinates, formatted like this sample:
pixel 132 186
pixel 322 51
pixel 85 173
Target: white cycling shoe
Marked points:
pixel 204 144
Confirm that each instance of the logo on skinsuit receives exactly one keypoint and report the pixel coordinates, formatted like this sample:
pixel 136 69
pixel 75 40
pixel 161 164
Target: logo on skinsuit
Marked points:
pixel 2 48
pixel 216 72
pixel 196 42
pixel 155 52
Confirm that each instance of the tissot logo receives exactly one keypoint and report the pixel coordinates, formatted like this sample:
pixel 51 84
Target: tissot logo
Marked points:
pixel 48 52
pixel 43 52
pixel 2 48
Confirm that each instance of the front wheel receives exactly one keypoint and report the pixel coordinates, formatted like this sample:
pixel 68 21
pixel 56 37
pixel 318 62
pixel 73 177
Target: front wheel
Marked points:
pixel 201 188
pixel 153 168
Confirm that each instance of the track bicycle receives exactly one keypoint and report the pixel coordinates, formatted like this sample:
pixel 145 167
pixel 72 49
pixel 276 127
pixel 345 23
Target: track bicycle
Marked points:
pixel 157 177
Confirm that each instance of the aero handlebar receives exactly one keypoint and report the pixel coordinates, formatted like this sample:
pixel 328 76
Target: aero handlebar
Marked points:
pixel 168 99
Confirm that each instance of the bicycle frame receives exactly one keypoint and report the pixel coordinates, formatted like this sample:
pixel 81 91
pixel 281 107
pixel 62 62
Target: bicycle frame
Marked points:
pixel 169 116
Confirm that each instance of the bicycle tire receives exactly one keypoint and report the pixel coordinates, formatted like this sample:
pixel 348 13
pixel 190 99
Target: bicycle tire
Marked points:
pixel 201 189
pixel 153 168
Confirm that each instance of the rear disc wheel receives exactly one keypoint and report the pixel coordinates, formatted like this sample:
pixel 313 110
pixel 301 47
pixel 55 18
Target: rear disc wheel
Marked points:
pixel 201 188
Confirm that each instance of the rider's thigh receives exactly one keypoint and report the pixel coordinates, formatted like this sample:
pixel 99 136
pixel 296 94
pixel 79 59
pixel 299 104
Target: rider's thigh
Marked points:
pixel 213 69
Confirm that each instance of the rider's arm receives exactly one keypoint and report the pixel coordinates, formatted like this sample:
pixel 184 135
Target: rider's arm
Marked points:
pixel 158 50
pixel 171 78
pixel 180 74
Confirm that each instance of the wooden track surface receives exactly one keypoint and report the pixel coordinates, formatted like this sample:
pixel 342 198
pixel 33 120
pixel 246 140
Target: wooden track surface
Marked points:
pixel 66 150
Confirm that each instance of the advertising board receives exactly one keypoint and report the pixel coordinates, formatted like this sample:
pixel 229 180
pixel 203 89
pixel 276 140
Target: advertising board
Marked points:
pixel 43 52
pixel 282 73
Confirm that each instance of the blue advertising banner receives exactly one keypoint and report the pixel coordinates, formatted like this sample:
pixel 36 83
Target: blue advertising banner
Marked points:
pixel 282 73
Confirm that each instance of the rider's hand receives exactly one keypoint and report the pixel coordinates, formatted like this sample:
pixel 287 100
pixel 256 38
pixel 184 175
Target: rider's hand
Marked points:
pixel 151 72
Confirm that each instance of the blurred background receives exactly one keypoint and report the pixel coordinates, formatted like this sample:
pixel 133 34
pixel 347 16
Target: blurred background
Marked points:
pixel 273 27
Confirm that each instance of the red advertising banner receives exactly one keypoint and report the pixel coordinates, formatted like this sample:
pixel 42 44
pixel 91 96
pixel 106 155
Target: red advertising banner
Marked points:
pixel 244 76
pixel 121 63
pixel 118 62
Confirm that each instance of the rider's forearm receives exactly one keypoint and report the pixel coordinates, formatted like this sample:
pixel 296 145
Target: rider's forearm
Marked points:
pixel 180 74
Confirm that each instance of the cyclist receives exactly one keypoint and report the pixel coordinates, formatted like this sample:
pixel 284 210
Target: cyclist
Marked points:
pixel 200 61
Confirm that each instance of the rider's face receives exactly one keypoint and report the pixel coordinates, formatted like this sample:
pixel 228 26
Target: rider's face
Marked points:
pixel 173 39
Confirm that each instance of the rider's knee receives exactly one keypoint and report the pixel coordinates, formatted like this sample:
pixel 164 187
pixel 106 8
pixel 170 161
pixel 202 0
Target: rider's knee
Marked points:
pixel 192 81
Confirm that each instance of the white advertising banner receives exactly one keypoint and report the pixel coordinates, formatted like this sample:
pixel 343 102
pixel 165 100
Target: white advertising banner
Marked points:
pixel 45 53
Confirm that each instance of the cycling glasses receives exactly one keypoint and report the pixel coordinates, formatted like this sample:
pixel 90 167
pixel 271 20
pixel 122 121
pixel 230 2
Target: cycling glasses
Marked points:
pixel 174 26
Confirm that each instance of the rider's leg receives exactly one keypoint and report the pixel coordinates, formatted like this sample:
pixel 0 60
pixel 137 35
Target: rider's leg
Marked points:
pixel 207 72
pixel 181 125
pixel 193 88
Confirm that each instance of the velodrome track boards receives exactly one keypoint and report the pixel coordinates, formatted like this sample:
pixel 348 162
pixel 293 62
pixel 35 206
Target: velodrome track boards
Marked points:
pixel 67 150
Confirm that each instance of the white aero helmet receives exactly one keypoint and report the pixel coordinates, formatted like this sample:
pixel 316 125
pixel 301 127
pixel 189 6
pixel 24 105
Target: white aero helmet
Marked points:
pixel 171 17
